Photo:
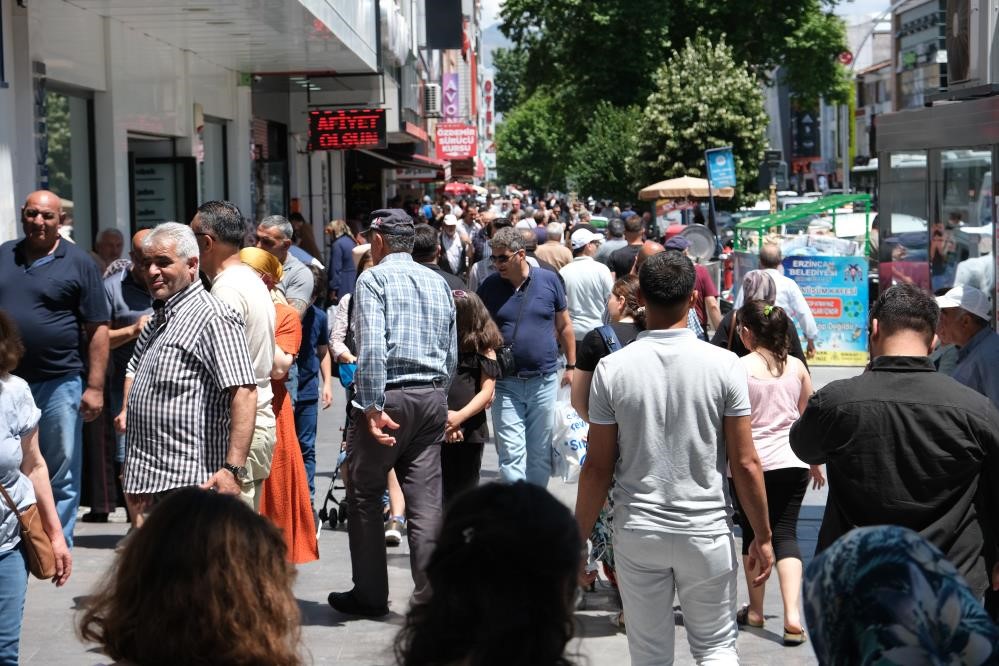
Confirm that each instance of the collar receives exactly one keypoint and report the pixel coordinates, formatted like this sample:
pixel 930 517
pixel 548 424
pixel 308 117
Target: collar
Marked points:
pixel 523 285
pixel 394 257
pixel 172 305
pixel 903 364
pixel 22 257
pixel 976 340
pixel 667 334
pixel 582 257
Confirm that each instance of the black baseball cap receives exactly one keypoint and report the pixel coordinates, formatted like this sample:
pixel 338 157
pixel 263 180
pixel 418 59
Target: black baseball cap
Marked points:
pixel 391 221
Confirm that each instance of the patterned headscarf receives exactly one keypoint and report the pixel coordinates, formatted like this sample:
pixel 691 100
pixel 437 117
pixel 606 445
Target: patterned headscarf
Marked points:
pixel 759 286
pixel 884 595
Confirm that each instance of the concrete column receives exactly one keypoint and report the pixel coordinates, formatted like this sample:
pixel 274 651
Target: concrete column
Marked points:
pixel 114 203
pixel 9 225
pixel 240 155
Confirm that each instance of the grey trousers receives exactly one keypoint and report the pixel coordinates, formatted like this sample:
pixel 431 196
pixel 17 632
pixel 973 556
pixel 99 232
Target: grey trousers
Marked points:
pixel 416 457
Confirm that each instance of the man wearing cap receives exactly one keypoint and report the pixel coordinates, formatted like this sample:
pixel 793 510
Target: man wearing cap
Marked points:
pixel 454 248
pixel 407 351
pixel 706 304
pixel 964 321
pixel 588 283
pixel 528 305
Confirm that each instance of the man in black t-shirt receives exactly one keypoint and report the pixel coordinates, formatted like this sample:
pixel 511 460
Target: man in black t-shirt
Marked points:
pixel 622 260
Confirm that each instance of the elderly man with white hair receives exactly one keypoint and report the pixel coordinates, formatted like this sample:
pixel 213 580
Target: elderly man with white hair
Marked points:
pixel 190 392
pixel 553 250
pixel 964 321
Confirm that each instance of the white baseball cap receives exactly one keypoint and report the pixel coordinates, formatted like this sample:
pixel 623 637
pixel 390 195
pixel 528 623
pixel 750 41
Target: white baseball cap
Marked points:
pixel 583 237
pixel 450 220
pixel 967 298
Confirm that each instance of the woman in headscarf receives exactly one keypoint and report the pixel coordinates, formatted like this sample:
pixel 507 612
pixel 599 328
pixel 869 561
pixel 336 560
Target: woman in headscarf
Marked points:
pixel 285 495
pixel 884 595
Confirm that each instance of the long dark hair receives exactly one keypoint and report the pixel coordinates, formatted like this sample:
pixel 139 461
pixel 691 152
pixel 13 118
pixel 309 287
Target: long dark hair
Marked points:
pixel 479 617
pixel 476 330
pixel 771 329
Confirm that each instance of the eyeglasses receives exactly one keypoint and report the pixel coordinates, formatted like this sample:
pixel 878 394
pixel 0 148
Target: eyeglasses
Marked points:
pixel 502 258
pixel 32 213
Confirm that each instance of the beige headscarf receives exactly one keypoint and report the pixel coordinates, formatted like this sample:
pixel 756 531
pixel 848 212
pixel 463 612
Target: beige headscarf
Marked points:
pixel 264 263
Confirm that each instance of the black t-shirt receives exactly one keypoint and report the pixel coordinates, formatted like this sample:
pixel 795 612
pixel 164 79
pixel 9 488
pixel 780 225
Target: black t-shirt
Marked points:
pixel 592 348
pixel 622 259
pixel 721 338
pixel 51 300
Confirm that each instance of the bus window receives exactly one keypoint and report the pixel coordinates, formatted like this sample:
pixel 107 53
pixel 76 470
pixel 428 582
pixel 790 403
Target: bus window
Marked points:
pixel 957 232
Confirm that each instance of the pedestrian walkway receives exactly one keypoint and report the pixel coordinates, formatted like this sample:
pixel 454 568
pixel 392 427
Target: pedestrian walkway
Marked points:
pixel 49 637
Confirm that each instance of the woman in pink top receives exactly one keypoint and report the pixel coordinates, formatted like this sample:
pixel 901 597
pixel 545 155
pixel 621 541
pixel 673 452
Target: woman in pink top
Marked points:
pixel 779 387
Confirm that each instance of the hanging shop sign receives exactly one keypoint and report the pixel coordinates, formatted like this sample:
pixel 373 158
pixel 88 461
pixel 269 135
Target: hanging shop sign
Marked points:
pixel 346 129
pixel 456 141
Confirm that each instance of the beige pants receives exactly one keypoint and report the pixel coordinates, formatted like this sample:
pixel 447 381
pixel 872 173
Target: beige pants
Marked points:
pixel 258 464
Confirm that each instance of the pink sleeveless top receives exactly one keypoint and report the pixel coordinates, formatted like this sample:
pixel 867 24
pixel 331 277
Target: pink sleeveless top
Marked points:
pixel 774 409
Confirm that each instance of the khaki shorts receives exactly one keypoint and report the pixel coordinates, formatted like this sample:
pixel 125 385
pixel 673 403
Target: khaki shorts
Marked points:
pixel 258 464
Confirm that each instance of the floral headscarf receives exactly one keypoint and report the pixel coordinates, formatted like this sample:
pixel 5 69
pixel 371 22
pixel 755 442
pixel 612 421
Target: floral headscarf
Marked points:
pixel 884 595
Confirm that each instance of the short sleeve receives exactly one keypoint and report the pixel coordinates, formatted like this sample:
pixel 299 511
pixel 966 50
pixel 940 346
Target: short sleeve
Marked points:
pixel 225 353
pixel 560 300
pixel 601 408
pixel 589 353
pixel 288 330
pixel 737 391
pixel 489 366
pixel 707 285
pixel 94 306
pixel 28 414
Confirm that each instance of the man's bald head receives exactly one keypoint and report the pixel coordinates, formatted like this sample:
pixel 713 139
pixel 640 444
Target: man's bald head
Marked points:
pixel 41 217
pixel 770 256
pixel 649 249
pixel 46 197
pixel 137 239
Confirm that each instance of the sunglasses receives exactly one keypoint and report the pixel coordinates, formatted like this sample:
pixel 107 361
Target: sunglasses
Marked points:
pixel 502 258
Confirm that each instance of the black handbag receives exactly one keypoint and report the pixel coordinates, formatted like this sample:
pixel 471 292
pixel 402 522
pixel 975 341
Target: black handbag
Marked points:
pixel 504 355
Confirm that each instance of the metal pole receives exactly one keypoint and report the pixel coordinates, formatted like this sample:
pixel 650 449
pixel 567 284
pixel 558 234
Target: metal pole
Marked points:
pixel 845 147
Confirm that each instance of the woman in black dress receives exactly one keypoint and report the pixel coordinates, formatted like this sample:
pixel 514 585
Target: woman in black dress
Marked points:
pixel 470 394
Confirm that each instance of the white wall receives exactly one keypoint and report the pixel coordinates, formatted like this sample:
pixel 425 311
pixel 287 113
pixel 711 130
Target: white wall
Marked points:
pixel 9 227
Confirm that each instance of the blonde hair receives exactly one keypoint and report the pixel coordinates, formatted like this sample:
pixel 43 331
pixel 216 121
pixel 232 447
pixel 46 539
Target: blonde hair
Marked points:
pixel 338 228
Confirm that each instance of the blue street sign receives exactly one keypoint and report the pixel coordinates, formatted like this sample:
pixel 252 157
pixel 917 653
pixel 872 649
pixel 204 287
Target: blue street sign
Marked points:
pixel 721 167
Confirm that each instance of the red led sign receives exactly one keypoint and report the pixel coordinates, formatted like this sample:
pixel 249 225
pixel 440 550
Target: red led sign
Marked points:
pixel 343 129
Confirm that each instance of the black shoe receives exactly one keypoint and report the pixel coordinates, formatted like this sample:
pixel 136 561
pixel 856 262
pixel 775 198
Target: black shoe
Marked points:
pixel 344 602
pixel 95 517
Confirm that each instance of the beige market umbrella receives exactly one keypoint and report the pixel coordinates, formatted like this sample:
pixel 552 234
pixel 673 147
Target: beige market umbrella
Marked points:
pixel 686 187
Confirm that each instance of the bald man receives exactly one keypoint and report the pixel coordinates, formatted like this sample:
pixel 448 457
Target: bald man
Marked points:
pixel 52 289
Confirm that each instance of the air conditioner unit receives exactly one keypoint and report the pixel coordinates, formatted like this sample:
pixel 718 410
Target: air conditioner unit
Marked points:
pixel 432 100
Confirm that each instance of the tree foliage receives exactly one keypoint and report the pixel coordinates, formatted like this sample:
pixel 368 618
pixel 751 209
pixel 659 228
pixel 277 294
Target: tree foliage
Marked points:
pixel 529 145
pixel 511 69
pixel 704 98
pixel 600 165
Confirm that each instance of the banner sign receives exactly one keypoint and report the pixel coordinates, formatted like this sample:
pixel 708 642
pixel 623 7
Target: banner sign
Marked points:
pixel 344 129
pixel 456 141
pixel 721 167
pixel 452 106
pixel 836 291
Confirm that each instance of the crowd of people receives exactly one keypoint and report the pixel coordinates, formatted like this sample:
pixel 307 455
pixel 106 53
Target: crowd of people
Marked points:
pixel 189 376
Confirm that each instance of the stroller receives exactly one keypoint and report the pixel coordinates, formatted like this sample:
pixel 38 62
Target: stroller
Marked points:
pixel 339 514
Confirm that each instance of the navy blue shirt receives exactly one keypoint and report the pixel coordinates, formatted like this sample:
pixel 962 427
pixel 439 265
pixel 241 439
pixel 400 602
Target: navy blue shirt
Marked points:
pixel 128 300
pixel 536 347
pixel 50 301
pixel 313 335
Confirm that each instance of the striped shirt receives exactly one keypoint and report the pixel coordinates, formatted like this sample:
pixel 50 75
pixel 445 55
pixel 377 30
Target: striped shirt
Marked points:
pixel 186 359
pixel 404 324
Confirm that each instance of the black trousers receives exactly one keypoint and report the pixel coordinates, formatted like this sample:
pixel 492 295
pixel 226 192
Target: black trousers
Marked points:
pixel 785 490
pixel 416 457
pixel 101 487
pixel 460 465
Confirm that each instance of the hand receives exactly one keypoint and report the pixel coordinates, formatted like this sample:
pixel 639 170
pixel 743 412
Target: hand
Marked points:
pixel 139 325
pixel 453 422
pixel 761 557
pixel 815 471
pixel 92 403
pixel 567 378
pixel 63 560
pixel 810 349
pixel 377 420
pixel 223 481
pixel 120 422
pixel 586 576
pixel 327 396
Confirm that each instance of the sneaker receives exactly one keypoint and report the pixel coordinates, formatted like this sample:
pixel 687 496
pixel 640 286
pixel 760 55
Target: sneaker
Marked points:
pixel 393 530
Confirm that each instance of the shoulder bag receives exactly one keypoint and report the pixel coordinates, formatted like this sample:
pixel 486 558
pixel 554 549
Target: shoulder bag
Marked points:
pixel 504 355
pixel 37 545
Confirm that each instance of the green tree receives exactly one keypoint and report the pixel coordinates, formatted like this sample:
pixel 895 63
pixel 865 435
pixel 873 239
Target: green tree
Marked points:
pixel 58 160
pixel 819 38
pixel 600 165
pixel 704 98
pixel 530 145
pixel 510 66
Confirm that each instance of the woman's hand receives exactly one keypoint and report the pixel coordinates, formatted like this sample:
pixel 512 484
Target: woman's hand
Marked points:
pixel 63 560
pixel 454 421
pixel 815 471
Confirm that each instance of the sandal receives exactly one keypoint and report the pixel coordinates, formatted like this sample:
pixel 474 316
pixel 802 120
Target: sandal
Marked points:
pixel 794 637
pixel 742 618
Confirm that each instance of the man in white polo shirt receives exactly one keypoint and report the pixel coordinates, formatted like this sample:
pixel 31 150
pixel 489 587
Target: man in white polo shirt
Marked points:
pixel 588 283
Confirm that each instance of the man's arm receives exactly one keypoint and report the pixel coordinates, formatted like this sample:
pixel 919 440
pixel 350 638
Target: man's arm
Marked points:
pixel 563 327
pixel 120 419
pixel 242 410
pixel 372 352
pixel 713 311
pixel 747 475
pixel 92 401
pixel 325 371
pixel 808 433
pixel 119 337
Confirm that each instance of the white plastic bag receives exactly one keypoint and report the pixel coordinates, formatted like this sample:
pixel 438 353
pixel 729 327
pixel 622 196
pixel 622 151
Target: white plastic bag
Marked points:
pixel 568 439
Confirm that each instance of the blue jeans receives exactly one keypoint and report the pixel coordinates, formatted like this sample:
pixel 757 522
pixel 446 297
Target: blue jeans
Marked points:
pixel 522 418
pixel 60 437
pixel 306 415
pixel 13 585
pixel 117 398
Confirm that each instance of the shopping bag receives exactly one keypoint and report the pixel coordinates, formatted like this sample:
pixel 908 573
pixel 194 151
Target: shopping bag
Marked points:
pixel 568 439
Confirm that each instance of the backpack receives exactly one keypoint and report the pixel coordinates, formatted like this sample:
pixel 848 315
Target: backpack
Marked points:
pixel 609 337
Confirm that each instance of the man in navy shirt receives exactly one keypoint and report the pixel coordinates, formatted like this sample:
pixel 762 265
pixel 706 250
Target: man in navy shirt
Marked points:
pixel 522 410
pixel 52 289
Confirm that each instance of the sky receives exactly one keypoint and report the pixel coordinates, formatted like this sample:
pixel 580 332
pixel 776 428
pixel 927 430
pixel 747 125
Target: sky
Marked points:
pixel 491 8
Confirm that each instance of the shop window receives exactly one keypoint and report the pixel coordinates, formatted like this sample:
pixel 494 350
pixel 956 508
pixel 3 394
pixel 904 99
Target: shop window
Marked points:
pixel 270 168
pixel 212 162
pixel 903 230
pixel 68 160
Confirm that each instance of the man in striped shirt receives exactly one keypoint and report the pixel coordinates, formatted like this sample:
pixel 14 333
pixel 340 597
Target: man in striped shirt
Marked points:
pixel 404 325
pixel 190 394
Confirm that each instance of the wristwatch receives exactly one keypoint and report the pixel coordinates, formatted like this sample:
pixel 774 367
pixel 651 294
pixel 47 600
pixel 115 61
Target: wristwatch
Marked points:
pixel 240 473
pixel 570 366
